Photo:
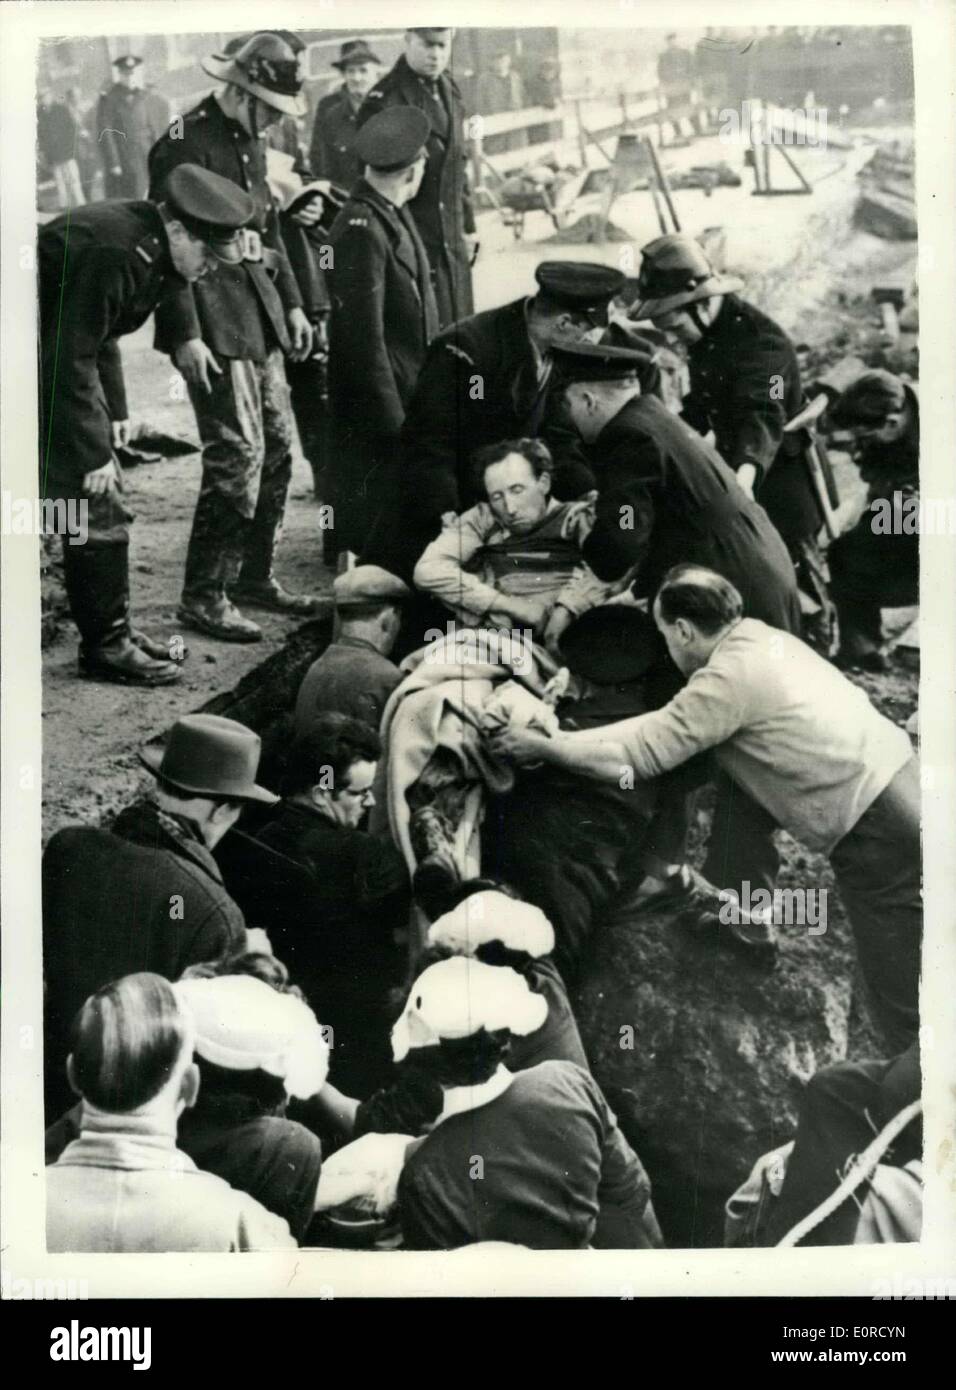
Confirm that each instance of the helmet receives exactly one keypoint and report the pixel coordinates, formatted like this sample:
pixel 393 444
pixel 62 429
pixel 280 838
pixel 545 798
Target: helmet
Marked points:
pixel 267 66
pixel 675 271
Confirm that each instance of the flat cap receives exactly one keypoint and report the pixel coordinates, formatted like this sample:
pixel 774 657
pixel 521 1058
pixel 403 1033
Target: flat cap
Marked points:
pixel 869 399
pixel 580 285
pixel 392 139
pixel 598 362
pixel 209 206
pixel 127 62
pixel 366 584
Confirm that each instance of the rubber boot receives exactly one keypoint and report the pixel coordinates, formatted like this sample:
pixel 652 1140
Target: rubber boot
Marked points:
pixel 97 586
pixel 257 584
pixel 212 562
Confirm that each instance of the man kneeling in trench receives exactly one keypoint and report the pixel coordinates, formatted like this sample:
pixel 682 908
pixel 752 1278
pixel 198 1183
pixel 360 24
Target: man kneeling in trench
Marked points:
pixel 803 742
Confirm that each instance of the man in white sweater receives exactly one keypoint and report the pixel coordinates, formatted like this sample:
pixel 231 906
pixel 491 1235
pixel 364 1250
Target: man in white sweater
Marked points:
pixel 804 743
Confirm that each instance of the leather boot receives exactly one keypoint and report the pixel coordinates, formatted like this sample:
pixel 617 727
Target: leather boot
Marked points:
pixel 217 617
pixel 97 585
pixel 159 651
pixel 268 593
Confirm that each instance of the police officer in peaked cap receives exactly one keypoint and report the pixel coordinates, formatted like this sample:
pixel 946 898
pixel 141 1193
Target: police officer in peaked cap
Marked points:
pixel 509 351
pixel 383 317
pixel 129 120
pixel 103 268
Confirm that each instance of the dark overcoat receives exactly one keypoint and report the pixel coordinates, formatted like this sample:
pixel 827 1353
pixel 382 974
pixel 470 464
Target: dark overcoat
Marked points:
pixel 442 207
pixel 129 121
pixel 103 268
pixel 382 319
pixel 146 895
pixel 478 385
pixel 745 386
pixel 666 497
pixel 333 135
pixel 239 311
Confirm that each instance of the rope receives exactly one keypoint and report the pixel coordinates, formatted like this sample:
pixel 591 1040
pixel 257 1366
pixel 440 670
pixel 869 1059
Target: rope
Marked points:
pixel 861 1170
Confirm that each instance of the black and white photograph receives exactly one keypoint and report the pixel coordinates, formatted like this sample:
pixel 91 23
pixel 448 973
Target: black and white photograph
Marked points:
pixel 478 792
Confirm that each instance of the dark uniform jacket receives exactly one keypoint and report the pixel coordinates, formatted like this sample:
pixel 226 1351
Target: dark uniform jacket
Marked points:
pixel 383 317
pixel 553 1157
pixel 103 268
pixel 333 135
pixel 146 895
pixel 383 311
pixel 733 392
pixel 666 497
pixel 442 207
pixel 478 384
pixel 129 121
pixel 237 310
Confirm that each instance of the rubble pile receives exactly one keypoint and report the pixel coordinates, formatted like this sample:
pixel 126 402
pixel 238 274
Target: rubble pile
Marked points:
pixel 886 205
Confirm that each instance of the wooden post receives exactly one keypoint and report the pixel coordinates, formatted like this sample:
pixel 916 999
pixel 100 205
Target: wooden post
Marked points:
pixel 664 186
pixel 796 169
pixel 582 141
pixel 658 206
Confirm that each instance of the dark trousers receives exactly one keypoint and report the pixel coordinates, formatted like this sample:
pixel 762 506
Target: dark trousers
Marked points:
pixel 878 872
pixel 869 572
pixel 245 424
pixel 844 1108
pixel 741 848
pixel 96 573
pixel 309 393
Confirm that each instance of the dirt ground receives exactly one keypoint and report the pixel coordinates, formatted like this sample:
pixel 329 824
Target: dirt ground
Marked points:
pixel 804 264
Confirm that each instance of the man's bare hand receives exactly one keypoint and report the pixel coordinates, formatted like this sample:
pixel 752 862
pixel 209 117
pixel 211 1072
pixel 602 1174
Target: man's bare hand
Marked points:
pixel 746 477
pixel 518 744
pixel 119 429
pixel 98 482
pixel 257 940
pixel 529 611
pixel 300 331
pixel 195 360
pixel 556 624
pixel 309 213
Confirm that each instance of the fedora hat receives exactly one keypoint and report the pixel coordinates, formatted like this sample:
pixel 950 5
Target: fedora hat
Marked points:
pixel 210 756
pixel 611 644
pixel 268 67
pixel 674 272
pixel 354 51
